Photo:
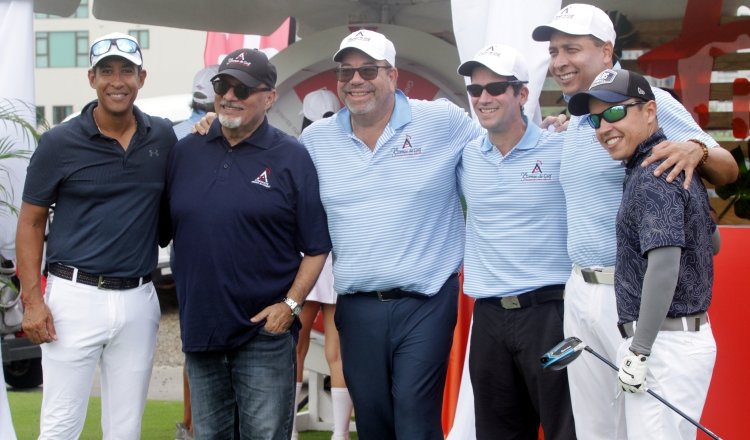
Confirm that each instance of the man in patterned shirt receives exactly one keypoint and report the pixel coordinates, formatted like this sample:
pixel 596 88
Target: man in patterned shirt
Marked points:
pixel 664 263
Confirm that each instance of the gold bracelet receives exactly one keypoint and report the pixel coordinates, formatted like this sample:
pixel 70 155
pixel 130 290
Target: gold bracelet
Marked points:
pixel 705 151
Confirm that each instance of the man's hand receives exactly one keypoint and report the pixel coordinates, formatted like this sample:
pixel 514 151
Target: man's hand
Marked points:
pixel 555 123
pixel 680 156
pixel 278 318
pixel 37 322
pixel 632 374
pixel 201 127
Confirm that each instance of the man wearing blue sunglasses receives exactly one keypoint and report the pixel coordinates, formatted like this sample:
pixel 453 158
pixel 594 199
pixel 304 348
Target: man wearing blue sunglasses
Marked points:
pixel 664 263
pixel 104 171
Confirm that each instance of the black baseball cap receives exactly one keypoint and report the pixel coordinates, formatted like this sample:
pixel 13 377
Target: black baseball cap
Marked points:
pixel 250 66
pixel 612 85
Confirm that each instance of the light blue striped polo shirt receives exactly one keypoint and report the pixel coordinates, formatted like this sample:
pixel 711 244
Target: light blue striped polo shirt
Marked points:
pixel 592 181
pixel 394 213
pixel 515 225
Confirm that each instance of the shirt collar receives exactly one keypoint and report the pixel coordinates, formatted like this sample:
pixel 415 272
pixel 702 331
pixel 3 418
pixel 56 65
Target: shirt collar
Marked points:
pixel 143 124
pixel 261 137
pixel 643 149
pixel 528 140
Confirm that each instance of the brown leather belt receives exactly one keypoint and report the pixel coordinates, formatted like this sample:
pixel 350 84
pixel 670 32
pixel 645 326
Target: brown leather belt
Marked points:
pixel 100 281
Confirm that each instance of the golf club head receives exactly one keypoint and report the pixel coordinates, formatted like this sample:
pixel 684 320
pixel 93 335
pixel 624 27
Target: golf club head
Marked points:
pixel 562 354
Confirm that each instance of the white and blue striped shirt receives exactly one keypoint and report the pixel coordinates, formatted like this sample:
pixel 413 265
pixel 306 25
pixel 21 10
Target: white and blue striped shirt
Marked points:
pixel 592 181
pixel 394 213
pixel 515 227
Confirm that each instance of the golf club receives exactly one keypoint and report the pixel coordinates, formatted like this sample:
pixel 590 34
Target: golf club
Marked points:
pixel 562 354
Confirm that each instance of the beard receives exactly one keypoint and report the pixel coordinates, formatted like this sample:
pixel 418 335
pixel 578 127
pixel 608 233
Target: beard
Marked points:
pixel 230 122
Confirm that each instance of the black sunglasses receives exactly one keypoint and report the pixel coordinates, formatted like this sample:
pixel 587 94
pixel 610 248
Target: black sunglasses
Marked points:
pixel 367 73
pixel 612 114
pixel 241 91
pixel 494 89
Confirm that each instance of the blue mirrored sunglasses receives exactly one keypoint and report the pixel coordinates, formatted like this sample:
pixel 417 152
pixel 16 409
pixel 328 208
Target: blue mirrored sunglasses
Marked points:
pixel 124 45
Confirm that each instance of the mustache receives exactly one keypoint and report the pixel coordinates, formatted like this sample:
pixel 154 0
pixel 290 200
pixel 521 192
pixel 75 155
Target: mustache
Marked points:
pixel 230 104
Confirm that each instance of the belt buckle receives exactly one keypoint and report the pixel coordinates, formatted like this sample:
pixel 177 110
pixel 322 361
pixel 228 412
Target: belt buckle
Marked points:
pixel 380 297
pixel 589 275
pixel 510 302
pixel 100 283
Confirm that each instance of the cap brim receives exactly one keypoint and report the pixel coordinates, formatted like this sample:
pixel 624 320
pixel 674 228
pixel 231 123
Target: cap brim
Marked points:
pixel 243 77
pixel 466 68
pixel 579 103
pixel 132 57
pixel 543 33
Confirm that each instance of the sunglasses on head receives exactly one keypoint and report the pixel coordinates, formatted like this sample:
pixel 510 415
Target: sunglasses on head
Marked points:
pixel 241 91
pixel 124 45
pixel 612 114
pixel 494 89
pixel 367 73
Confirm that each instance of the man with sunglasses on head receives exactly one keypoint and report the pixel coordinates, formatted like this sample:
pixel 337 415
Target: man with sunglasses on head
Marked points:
pixel 581 39
pixel 244 207
pixel 104 172
pixel 387 167
pixel 516 261
pixel 664 263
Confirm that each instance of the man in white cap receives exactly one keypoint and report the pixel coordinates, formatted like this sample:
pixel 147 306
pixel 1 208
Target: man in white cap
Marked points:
pixel 203 100
pixel 387 167
pixel 516 262
pixel 104 171
pixel 581 45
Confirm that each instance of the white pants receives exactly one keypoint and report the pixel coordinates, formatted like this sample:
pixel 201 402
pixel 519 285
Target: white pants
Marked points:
pixel 679 370
pixel 113 328
pixel 6 423
pixel 591 315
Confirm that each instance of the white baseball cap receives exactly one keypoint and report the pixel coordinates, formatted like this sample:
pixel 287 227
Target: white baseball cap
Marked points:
pixel 203 90
pixel 578 19
pixel 319 102
pixel 115 44
pixel 499 58
pixel 372 43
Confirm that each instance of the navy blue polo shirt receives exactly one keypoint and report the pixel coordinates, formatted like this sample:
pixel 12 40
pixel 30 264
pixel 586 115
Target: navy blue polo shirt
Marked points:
pixel 106 198
pixel 655 213
pixel 240 216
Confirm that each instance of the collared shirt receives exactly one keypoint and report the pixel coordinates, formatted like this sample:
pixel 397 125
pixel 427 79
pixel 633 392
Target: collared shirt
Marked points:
pixel 592 181
pixel 515 225
pixel 241 216
pixel 394 213
pixel 106 197
pixel 656 214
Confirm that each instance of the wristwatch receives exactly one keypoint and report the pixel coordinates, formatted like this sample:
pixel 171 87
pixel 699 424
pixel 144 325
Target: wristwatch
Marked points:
pixel 296 308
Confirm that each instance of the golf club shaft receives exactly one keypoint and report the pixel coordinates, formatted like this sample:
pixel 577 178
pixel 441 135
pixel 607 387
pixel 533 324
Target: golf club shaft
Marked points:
pixel 661 399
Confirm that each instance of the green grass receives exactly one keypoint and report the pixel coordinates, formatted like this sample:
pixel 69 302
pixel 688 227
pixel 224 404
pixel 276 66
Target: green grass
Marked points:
pixel 159 418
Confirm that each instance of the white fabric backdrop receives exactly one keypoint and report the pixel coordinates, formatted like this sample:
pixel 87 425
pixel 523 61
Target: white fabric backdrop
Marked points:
pixel 477 23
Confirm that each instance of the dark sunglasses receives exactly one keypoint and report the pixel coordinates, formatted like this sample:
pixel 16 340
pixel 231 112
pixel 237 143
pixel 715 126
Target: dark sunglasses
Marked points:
pixel 494 89
pixel 241 91
pixel 612 114
pixel 124 45
pixel 367 73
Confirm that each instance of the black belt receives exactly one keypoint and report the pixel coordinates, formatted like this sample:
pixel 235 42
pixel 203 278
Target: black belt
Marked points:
pixel 541 295
pixel 100 281
pixel 387 295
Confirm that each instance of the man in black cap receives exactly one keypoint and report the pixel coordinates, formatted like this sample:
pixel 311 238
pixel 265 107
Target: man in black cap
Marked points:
pixel 244 205
pixel 664 266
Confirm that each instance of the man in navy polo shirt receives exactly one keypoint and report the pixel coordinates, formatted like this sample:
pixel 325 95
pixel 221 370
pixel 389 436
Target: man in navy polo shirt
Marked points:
pixel 664 267
pixel 104 171
pixel 244 205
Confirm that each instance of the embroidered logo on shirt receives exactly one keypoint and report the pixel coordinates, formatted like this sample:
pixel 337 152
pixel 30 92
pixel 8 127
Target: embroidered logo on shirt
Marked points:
pixel 407 149
pixel 262 179
pixel 536 174
pixel 152 153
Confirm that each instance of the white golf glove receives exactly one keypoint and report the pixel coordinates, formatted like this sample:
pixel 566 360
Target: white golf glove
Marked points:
pixel 632 374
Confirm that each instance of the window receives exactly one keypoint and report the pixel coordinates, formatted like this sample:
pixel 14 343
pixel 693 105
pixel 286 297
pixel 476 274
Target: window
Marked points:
pixel 39 114
pixel 81 12
pixel 60 112
pixel 62 49
pixel 141 35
